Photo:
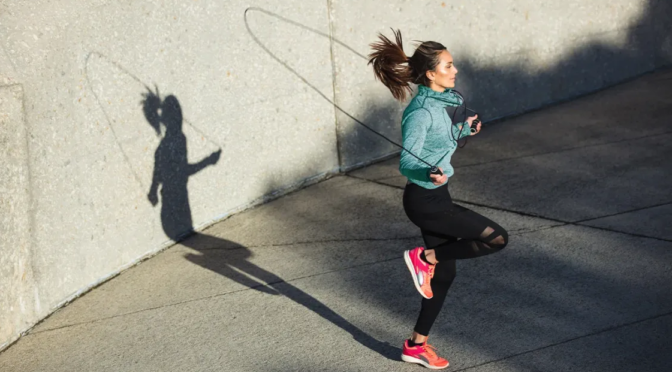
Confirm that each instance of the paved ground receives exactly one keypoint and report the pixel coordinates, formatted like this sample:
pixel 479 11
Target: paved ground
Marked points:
pixel 315 280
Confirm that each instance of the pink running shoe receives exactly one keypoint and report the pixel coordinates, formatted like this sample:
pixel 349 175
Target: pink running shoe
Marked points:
pixel 421 271
pixel 423 354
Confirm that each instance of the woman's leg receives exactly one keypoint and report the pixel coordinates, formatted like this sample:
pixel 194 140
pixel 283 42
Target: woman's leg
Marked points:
pixel 444 274
pixel 430 308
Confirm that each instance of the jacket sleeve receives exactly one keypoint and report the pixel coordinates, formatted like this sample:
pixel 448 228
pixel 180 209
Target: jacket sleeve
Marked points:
pixel 414 129
pixel 461 133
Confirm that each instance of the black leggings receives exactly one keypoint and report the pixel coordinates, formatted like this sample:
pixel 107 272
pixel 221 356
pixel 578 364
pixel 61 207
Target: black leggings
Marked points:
pixel 454 232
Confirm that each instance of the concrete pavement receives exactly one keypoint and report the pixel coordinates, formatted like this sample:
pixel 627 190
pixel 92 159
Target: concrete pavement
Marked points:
pixel 315 280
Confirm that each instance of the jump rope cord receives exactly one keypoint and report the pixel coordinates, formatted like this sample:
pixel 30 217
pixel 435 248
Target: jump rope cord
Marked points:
pixel 109 122
pixel 285 65
pixel 290 69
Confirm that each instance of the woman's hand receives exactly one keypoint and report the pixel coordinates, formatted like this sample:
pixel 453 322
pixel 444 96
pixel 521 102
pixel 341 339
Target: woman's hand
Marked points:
pixel 438 179
pixel 470 121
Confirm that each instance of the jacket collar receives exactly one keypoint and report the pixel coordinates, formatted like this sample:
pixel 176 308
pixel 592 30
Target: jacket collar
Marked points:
pixel 447 96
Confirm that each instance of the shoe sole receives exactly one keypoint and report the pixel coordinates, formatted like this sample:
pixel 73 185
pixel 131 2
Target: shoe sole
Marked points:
pixel 409 264
pixel 410 359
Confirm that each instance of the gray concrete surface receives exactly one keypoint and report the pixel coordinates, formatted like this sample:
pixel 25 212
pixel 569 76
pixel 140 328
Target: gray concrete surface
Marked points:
pixel 17 296
pixel 315 280
pixel 257 81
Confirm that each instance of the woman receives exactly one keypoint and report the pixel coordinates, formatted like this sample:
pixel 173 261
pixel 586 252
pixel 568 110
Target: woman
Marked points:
pixel 450 231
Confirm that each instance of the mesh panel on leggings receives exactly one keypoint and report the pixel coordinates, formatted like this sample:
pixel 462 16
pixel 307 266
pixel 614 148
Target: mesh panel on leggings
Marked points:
pixel 490 239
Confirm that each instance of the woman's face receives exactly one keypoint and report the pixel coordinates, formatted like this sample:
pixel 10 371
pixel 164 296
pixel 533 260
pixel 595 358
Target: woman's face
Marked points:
pixel 443 75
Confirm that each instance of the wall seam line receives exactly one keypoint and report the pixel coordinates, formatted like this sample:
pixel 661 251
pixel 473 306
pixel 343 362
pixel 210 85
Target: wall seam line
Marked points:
pixel 333 84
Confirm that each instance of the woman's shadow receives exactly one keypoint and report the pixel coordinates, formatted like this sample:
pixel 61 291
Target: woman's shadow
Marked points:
pixel 171 174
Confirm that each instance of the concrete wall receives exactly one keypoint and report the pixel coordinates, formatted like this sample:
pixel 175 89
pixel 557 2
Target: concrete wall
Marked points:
pixel 79 153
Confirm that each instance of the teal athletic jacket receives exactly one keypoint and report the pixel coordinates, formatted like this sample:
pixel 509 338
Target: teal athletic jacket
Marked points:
pixel 425 128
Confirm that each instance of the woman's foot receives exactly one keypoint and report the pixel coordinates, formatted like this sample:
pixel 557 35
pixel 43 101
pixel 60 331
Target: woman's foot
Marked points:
pixel 421 271
pixel 423 354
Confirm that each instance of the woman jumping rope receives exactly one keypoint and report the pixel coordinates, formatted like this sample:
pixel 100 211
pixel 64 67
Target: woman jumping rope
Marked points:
pixel 450 231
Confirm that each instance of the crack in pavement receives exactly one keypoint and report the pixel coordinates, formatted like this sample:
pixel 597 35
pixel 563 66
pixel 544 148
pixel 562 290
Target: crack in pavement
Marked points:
pixel 217 295
pixel 636 235
pixel 625 212
pixel 579 222
pixel 514 233
pixel 373 181
pixel 309 242
pixel 559 221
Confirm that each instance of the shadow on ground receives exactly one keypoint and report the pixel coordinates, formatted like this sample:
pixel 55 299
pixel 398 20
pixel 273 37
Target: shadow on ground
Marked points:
pixel 171 174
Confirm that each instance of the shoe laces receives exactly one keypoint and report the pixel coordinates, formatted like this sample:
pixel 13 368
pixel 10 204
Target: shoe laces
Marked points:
pixel 430 270
pixel 431 350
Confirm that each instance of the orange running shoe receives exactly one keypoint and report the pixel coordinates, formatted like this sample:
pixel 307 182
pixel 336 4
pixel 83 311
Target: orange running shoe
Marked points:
pixel 421 271
pixel 423 354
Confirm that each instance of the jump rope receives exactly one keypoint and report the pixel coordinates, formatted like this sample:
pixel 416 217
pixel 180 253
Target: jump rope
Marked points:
pixel 434 169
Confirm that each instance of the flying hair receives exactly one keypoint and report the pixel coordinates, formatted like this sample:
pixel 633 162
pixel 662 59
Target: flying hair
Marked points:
pixel 396 70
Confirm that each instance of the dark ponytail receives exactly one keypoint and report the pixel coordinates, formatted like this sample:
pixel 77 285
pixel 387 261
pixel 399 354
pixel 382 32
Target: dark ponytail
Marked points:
pixel 394 69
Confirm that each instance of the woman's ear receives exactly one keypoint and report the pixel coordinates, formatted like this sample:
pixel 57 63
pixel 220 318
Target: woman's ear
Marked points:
pixel 430 75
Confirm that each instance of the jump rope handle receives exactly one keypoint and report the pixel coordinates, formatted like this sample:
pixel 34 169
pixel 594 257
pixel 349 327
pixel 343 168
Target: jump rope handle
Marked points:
pixel 474 124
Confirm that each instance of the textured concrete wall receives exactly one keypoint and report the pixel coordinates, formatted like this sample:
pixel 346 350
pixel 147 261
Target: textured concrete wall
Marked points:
pixel 86 141
pixel 92 152
pixel 17 289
